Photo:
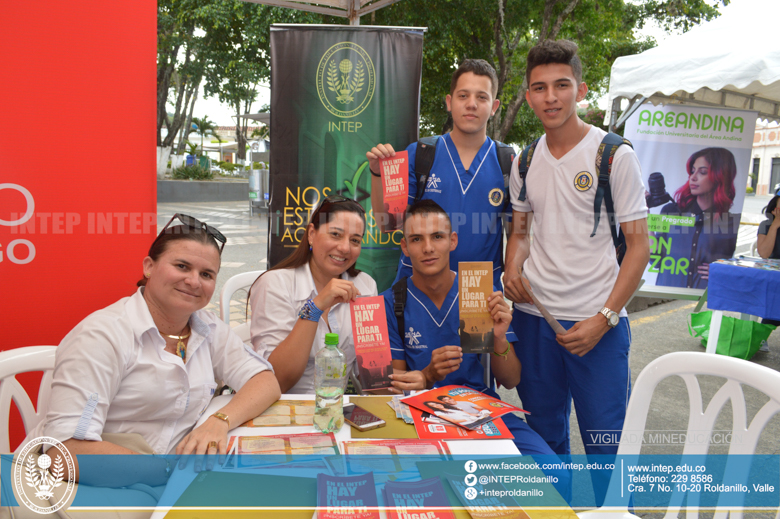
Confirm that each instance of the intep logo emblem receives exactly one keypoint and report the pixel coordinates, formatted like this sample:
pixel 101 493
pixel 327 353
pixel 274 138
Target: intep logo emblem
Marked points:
pixel 346 79
pixel 35 478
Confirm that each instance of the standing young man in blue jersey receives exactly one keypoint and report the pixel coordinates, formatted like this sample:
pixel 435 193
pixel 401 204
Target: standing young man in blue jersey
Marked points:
pixel 576 276
pixel 465 178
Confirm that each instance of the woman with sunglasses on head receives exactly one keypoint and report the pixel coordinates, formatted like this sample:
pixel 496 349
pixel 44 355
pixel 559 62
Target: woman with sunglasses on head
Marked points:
pixel 307 295
pixel 147 364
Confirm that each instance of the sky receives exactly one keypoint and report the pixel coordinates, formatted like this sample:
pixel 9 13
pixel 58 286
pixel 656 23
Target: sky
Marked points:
pixel 223 115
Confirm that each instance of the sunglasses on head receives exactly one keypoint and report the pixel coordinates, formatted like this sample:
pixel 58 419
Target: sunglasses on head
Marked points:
pixel 335 199
pixel 194 223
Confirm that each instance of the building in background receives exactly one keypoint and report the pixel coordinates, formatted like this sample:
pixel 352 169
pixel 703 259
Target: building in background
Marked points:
pixel 765 166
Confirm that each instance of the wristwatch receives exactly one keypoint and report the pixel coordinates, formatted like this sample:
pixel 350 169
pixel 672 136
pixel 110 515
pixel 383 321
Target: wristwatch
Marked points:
pixel 612 317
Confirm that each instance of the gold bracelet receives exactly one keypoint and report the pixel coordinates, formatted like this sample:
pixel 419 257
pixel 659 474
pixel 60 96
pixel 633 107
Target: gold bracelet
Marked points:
pixel 506 352
pixel 223 417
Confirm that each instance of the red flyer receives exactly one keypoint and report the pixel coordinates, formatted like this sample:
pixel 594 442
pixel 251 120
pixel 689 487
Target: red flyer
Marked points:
pixel 430 427
pixel 395 186
pixel 372 345
pixel 461 405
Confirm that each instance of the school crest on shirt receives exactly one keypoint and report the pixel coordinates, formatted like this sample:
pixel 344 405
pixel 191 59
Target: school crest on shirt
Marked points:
pixel 496 196
pixel 583 180
pixel 414 339
pixel 37 476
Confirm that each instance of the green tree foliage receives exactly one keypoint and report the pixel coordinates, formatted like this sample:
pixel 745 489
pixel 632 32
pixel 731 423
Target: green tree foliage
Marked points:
pixel 181 60
pixel 239 46
pixel 227 44
pixel 502 32
pixel 223 43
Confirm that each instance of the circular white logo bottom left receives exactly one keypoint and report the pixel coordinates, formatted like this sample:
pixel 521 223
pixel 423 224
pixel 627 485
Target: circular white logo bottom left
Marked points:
pixel 39 477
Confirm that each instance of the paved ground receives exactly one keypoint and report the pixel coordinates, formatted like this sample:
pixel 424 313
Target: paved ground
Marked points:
pixel 656 331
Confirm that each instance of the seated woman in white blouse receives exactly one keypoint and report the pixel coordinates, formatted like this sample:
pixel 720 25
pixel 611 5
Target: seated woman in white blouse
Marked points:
pixel 147 364
pixel 307 295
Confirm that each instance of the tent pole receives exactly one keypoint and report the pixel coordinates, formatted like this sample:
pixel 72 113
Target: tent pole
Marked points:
pixel 631 109
pixel 352 12
pixel 613 116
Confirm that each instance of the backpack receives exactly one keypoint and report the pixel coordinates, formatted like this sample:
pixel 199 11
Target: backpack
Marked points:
pixel 606 154
pixel 426 152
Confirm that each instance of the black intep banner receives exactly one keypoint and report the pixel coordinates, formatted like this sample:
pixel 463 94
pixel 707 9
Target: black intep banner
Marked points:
pixel 337 91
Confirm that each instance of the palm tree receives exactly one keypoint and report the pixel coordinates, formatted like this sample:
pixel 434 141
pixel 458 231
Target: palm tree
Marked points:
pixel 202 127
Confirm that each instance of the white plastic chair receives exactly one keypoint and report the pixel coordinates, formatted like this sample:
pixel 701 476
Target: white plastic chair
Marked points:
pixel 701 421
pixel 237 282
pixel 22 360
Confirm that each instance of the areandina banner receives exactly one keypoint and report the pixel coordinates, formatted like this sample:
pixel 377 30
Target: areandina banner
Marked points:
pixel 337 91
pixel 695 168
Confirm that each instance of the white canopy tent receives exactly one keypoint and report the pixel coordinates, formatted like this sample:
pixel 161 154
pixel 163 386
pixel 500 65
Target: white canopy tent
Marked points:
pixel 732 61
pixel 262 117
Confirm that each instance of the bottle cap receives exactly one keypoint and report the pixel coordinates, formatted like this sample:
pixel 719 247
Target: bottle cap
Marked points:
pixel 332 339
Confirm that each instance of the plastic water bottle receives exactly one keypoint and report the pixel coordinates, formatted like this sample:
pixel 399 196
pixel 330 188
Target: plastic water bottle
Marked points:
pixel 330 380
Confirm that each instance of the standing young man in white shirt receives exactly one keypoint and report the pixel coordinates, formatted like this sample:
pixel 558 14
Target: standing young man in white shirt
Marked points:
pixel 574 275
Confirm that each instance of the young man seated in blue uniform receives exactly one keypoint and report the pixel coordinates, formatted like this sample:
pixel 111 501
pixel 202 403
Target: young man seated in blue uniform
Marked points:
pixel 465 176
pixel 427 353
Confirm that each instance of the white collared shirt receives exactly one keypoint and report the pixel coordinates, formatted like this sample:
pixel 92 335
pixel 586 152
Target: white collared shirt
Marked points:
pixel 276 299
pixel 113 375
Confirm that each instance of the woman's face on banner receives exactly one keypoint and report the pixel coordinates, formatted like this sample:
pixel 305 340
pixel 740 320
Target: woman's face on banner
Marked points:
pixel 700 180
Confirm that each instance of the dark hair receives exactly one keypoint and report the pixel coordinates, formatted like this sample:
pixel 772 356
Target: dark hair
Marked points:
pixel 442 397
pixel 177 233
pixel 445 405
pixel 425 207
pixel 548 52
pixel 302 254
pixel 478 67
pixel 723 169
pixel 771 206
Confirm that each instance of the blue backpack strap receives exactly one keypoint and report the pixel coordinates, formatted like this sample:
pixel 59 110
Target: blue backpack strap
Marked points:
pixel 423 161
pixel 606 154
pixel 399 303
pixel 524 164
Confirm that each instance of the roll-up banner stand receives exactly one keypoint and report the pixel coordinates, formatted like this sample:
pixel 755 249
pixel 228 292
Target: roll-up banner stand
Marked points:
pixel 695 168
pixel 337 91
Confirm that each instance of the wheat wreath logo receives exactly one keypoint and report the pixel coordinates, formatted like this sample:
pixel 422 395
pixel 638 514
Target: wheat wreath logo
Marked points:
pixel 345 79
pixel 37 476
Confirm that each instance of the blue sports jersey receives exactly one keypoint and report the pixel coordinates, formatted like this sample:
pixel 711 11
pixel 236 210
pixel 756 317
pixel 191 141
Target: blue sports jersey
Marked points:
pixel 429 328
pixel 475 200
